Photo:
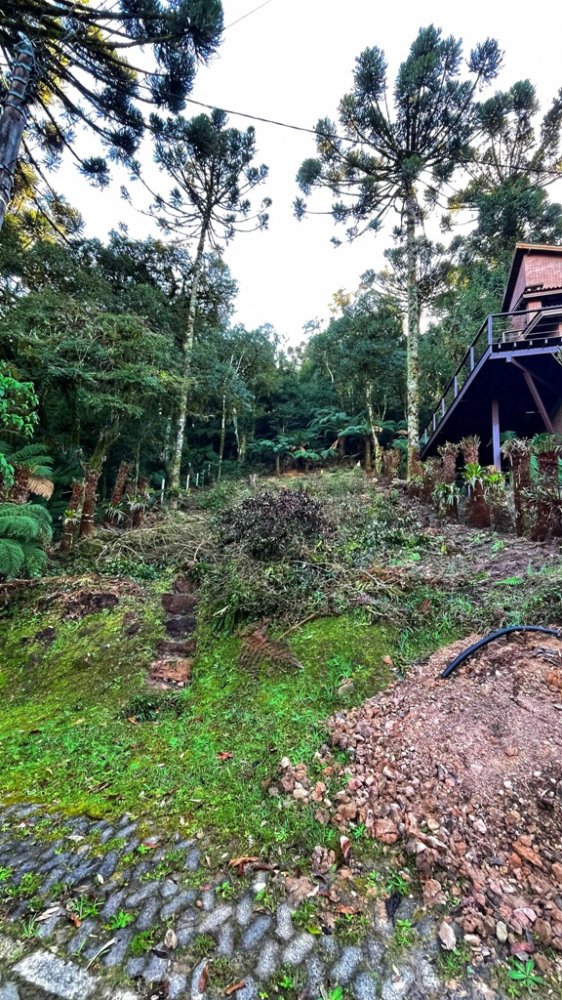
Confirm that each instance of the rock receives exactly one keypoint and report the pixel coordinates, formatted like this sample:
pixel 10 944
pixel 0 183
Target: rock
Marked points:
pixel 226 941
pixel 139 895
pixel 176 986
pixel 193 859
pixel 147 917
pixel 178 604
pixel 447 936
pixel 386 831
pixel 118 951
pixel 398 987
pixel 346 966
pixel 9 992
pixel 244 911
pixel 501 932
pixel 214 920
pixel 298 949
pixel 284 923
pixel 433 894
pixel 255 932
pixel 51 974
pixel 364 987
pixel 179 902
pixel 156 969
pixel 268 960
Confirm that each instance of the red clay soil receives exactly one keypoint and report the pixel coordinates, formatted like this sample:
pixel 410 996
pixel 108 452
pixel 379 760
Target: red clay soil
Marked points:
pixel 467 774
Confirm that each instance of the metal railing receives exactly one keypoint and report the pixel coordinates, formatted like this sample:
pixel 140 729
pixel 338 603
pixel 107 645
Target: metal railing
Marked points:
pixel 498 330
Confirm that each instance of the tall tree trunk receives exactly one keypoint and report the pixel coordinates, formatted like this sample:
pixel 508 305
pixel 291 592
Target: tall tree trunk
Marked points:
pixel 367 446
pixel 14 120
pixel 376 445
pixel 222 437
pixel 412 363
pixel 236 432
pixel 20 490
pixel 187 346
pixel 91 480
pixel 277 463
pixel 92 475
pixel 119 488
pixel 71 515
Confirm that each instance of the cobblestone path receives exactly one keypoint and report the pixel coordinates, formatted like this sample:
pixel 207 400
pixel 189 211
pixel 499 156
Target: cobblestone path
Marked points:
pixel 95 910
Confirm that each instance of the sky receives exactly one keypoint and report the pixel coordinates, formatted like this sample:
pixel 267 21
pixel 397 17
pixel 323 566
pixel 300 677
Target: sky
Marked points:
pixel 292 60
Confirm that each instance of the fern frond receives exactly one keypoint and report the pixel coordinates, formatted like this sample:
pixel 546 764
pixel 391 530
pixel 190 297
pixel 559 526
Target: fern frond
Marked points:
pixel 258 650
pixel 35 559
pixel 12 557
pixel 40 485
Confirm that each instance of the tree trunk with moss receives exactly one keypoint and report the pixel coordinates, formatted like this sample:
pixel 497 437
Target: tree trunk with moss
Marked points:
pixel 412 359
pixel 71 517
pixel 119 488
pixel 187 347
pixel 14 120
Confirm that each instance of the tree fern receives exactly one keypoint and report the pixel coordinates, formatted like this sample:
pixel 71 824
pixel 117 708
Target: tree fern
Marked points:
pixel 25 531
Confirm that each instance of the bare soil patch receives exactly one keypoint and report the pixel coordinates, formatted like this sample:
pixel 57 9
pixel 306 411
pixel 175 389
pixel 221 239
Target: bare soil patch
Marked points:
pixel 467 773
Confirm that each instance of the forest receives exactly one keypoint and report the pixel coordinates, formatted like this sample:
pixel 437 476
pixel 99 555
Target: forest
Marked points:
pixel 233 761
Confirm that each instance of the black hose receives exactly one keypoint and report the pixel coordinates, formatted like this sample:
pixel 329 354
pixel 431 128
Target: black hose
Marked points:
pixel 496 635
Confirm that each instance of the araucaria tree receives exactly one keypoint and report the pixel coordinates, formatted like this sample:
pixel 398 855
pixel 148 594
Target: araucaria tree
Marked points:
pixel 67 63
pixel 379 158
pixel 213 172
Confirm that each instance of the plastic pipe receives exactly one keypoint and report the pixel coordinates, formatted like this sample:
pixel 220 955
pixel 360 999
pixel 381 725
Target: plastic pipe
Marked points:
pixel 496 635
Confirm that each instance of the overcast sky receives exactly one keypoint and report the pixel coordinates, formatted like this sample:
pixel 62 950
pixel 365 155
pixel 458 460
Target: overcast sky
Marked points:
pixel 292 61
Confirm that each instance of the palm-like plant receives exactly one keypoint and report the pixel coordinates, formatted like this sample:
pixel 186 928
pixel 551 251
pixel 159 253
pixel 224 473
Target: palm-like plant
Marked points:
pixel 25 531
pixel 33 471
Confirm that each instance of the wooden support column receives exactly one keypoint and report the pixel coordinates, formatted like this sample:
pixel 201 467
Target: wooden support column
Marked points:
pixel 537 399
pixel 496 447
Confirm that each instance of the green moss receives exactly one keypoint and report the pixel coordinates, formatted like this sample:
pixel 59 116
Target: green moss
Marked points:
pixel 65 739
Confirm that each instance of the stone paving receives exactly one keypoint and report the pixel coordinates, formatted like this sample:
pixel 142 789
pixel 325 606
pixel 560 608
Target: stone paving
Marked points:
pixel 92 909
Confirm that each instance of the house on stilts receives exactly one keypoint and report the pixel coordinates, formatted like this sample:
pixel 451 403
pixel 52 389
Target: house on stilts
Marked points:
pixel 510 379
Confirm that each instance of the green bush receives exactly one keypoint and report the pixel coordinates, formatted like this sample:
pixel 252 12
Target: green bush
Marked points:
pixel 25 531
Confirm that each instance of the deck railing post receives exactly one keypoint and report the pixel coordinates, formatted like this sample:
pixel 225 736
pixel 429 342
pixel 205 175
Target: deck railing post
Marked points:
pixel 472 359
pixel 434 421
pixel 443 407
pixel 490 330
pixel 455 387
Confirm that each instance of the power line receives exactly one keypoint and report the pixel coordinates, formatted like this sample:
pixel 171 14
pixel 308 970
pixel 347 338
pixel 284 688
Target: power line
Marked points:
pixel 248 14
pixel 354 142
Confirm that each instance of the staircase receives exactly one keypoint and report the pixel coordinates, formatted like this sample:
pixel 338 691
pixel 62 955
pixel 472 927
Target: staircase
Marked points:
pixel 509 376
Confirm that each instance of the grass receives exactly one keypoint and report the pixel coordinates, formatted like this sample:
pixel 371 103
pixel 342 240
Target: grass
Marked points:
pixel 66 739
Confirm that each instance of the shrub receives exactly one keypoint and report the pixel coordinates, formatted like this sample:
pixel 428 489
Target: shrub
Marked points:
pixel 273 525
pixel 25 530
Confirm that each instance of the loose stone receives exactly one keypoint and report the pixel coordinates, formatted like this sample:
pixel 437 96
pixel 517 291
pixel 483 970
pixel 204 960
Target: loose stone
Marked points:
pixel 244 911
pixel 364 987
pixel 226 941
pixel 182 900
pixel 255 932
pixel 315 975
pixel 147 915
pixel 297 950
pixel 399 987
pixel 9 992
pixel 208 900
pixel 168 888
pixel 268 960
pixel 192 860
pixel 215 919
pixel 139 896
pixel 176 986
pixel 117 953
pixel 285 929
pixel 348 963
pixel 113 903
pixel 156 969
pixel 51 974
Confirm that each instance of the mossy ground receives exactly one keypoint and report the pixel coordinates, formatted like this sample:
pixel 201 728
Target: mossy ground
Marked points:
pixel 66 738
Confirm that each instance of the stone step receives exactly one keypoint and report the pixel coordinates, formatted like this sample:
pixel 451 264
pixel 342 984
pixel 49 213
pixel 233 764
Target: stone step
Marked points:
pixel 175 647
pixel 171 670
pixel 180 626
pixel 178 604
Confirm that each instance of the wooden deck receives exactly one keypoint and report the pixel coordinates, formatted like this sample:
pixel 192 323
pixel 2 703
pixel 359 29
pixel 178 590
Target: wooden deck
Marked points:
pixel 508 380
